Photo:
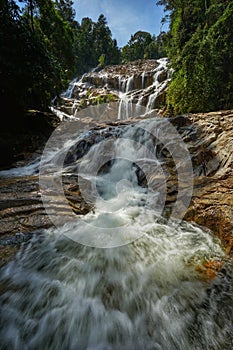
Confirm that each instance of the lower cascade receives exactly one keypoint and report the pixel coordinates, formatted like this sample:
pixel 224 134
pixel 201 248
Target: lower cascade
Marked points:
pixel 124 276
pixel 147 294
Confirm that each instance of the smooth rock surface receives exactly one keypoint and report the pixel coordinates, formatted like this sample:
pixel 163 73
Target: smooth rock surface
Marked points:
pixel 212 147
pixel 209 138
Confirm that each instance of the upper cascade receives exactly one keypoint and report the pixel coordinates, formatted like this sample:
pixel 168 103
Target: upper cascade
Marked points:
pixel 142 82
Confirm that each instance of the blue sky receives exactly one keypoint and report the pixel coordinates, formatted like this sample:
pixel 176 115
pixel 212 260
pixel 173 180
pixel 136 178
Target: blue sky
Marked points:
pixel 124 17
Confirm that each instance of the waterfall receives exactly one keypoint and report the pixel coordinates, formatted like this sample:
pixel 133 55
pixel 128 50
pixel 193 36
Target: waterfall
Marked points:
pixel 126 82
pixel 124 276
pixel 130 83
pixel 125 110
pixel 68 93
pixel 151 101
pixel 158 86
pixel 146 293
pixel 152 91
pixel 139 105
pixel 119 83
pixel 143 79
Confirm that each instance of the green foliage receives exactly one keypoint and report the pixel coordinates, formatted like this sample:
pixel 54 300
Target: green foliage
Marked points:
pixel 66 11
pixel 106 98
pixel 37 58
pixel 101 60
pixel 144 46
pixel 83 46
pixel 94 45
pixel 58 36
pixel 42 48
pixel 200 46
pixel 111 98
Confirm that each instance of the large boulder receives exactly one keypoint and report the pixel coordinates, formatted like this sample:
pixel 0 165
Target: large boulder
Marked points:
pixel 212 150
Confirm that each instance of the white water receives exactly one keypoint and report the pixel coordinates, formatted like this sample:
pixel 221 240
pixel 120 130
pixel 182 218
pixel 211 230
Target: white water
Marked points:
pixel 125 110
pixel 126 94
pixel 28 169
pixel 146 293
pixel 158 87
pixel 143 80
pixel 129 85
pixel 68 93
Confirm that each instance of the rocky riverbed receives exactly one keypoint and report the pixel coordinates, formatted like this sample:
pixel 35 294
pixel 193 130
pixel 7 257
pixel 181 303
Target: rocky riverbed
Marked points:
pixel 209 137
pixel 140 84
pixel 212 202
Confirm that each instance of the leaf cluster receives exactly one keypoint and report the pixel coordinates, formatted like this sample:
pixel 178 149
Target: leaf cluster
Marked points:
pixel 37 58
pixel 200 46
pixel 94 45
pixel 142 45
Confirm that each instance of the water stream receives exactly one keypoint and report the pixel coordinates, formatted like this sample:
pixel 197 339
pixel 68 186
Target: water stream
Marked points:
pixel 146 293
pixel 122 277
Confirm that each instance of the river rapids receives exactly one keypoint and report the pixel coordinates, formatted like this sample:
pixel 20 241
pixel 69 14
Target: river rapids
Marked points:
pixel 138 288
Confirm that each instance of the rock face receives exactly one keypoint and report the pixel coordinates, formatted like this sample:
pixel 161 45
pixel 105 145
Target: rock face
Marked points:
pixel 212 150
pixel 21 208
pixel 209 138
pixel 210 142
pixel 130 76
pixel 142 82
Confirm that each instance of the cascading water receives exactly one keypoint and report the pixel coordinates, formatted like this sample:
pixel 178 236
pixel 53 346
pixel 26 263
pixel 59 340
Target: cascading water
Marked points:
pixel 121 277
pixel 68 93
pixel 125 110
pixel 143 79
pixel 130 85
pixel 125 107
pixel 158 87
pixel 150 93
pixel 147 294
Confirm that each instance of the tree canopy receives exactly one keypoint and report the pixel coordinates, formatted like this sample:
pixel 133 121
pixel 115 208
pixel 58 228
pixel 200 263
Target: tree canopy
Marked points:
pixel 200 46
pixel 143 45
pixel 37 57
pixel 43 47
pixel 94 45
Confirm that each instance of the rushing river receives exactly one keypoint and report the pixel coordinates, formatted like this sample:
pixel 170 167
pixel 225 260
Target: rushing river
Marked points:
pixel 144 295
pixel 122 277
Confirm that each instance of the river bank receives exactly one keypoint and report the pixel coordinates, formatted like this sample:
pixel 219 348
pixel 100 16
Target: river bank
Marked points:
pixel 209 139
pixel 120 217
